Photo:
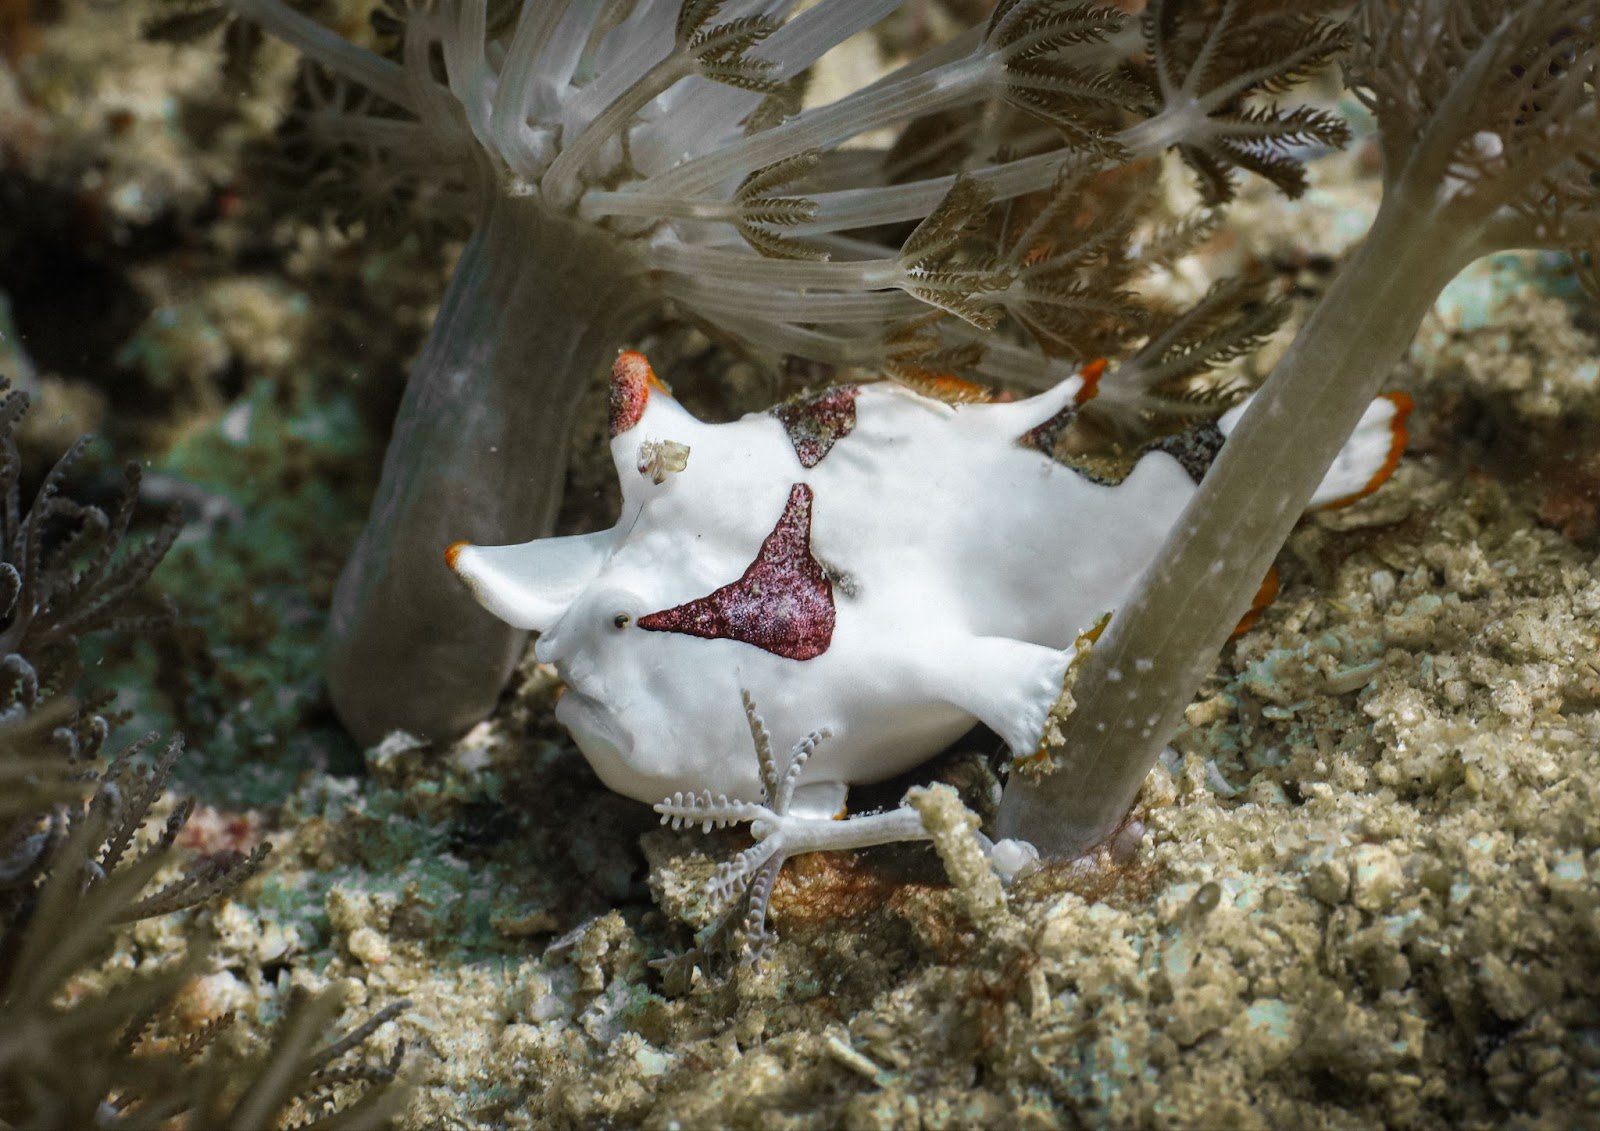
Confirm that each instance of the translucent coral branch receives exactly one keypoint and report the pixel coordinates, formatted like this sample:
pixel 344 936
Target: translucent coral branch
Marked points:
pixel 791 49
pixel 829 344
pixel 740 265
pixel 600 113
pixel 1132 689
pixel 466 69
pixel 823 26
pixel 315 42
pixel 560 182
pixel 869 307
pixel 845 209
pixel 915 91
pixel 517 92
pixel 645 45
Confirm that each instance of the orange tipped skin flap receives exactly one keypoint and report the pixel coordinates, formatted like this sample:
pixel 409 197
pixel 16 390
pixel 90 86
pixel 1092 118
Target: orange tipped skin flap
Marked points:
pixel 1398 438
pixel 632 382
pixel 1258 604
pixel 1091 374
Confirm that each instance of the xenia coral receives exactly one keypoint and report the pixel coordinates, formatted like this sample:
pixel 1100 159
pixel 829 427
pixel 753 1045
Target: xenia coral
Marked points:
pixel 742 887
pixel 615 156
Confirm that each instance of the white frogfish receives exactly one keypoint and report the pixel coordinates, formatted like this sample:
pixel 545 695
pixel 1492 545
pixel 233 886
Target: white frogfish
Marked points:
pixel 866 560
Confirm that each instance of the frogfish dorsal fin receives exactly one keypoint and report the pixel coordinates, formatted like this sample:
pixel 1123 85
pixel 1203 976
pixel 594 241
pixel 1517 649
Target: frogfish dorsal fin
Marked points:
pixel 1104 458
pixel 1370 456
pixel 783 602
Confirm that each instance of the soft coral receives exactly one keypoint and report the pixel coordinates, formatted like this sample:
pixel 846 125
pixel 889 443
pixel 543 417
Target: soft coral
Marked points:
pixel 617 155
pixel 1490 131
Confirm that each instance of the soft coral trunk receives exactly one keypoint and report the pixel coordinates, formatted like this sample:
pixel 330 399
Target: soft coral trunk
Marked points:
pixel 537 304
pixel 1490 134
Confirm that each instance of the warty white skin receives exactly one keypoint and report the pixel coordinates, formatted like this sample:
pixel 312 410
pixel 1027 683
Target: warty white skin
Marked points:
pixel 974 563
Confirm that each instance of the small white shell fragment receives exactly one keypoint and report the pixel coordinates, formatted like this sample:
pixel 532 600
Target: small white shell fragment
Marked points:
pixel 1011 858
pixel 661 458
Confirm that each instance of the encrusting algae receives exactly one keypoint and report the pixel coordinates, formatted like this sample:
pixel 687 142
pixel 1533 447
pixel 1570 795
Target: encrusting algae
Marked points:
pixel 1363 888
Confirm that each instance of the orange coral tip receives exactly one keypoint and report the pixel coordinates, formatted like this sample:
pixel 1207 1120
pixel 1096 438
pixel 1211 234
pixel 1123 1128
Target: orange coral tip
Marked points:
pixel 1265 595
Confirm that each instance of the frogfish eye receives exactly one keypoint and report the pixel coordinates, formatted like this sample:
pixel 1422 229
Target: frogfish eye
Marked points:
pixel 621 620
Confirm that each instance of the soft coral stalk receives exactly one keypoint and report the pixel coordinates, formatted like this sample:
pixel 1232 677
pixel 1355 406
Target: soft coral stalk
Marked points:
pixel 1490 132
pixel 474 448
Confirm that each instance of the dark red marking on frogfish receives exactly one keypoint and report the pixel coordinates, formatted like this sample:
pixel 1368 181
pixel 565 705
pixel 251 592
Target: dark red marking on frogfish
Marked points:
pixel 817 421
pixel 782 604
pixel 1042 437
pixel 632 379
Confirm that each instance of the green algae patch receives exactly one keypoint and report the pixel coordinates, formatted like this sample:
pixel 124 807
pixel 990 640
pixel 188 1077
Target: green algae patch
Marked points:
pixel 252 585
